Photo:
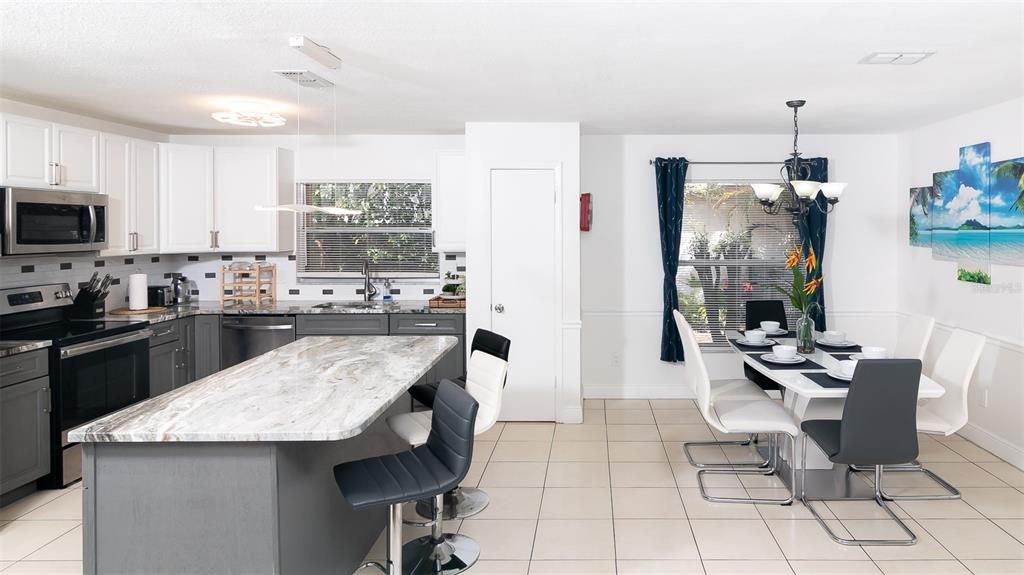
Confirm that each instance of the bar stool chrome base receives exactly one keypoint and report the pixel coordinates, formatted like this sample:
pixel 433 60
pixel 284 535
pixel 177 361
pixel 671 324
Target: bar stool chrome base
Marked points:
pixel 459 503
pixel 951 492
pixel 453 554
pixel 769 467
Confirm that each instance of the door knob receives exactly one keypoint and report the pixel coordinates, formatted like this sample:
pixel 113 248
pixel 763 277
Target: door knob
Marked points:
pixel 499 308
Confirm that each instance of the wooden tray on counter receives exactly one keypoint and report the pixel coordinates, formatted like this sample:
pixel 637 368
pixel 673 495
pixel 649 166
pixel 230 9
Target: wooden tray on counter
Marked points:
pixel 443 303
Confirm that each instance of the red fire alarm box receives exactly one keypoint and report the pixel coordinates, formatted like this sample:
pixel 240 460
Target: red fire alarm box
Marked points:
pixel 586 212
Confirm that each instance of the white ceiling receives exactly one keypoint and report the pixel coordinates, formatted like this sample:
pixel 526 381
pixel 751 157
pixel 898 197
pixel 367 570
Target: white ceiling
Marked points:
pixel 428 67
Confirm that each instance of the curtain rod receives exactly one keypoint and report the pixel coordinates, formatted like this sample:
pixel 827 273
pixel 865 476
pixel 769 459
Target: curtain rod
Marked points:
pixel 651 162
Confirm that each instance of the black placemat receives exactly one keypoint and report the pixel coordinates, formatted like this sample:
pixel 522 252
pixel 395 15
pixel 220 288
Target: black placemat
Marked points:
pixel 789 334
pixel 827 381
pixel 804 365
pixel 841 356
pixel 756 348
pixel 833 348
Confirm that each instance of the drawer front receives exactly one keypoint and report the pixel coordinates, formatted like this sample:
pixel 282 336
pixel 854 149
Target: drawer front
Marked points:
pixel 165 332
pixel 427 324
pixel 24 366
pixel 341 324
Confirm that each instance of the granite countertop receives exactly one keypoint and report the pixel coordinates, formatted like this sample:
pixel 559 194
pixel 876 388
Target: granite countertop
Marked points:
pixel 314 389
pixel 287 307
pixel 9 348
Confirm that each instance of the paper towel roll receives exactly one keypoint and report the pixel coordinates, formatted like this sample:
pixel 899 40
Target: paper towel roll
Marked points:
pixel 138 298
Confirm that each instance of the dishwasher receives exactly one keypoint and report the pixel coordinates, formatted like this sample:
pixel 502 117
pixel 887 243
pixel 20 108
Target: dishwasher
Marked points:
pixel 245 337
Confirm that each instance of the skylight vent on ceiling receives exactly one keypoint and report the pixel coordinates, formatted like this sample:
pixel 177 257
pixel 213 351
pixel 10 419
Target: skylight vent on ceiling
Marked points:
pixel 305 78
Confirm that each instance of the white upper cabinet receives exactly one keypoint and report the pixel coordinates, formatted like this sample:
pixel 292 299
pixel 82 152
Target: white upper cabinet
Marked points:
pixel 448 198
pixel 76 153
pixel 26 160
pixel 145 197
pixel 246 178
pixel 208 199
pixel 115 158
pixel 41 154
pixel 186 199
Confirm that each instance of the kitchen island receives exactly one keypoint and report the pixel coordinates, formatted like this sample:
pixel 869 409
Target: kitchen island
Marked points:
pixel 232 474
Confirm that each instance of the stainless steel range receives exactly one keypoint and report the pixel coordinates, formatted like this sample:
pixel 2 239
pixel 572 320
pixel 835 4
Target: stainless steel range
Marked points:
pixel 96 366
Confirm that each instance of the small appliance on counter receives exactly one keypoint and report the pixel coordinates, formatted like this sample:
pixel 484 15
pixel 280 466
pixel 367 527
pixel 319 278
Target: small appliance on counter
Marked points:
pixel 160 296
pixel 181 290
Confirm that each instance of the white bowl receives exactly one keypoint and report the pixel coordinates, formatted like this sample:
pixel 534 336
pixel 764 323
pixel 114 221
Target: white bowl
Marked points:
pixel 834 336
pixel 847 367
pixel 874 352
pixel 755 336
pixel 770 326
pixel 784 351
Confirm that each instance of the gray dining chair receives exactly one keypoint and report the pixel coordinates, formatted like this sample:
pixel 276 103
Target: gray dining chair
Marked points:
pixel 879 427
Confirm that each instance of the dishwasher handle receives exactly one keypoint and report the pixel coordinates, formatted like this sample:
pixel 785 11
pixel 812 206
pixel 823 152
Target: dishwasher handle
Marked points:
pixel 247 327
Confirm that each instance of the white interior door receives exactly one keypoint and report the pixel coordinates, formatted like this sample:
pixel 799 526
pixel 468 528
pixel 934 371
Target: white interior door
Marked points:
pixel 523 287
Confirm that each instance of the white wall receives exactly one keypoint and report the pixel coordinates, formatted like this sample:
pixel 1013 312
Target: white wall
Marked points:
pixel 513 145
pixel 621 256
pixel 929 286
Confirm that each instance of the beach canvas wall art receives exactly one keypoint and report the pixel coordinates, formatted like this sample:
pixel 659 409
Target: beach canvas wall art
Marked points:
pixel 943 229
pixel 1006 212
pixel 920 216
pixel 970 208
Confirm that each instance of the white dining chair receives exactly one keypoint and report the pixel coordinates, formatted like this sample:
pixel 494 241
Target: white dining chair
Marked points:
pixel 913 338
pixel 953 370
pixel 720 389
pixel 727 414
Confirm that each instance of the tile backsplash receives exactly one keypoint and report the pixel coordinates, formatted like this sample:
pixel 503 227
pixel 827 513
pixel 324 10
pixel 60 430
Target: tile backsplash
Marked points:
pixel 205 270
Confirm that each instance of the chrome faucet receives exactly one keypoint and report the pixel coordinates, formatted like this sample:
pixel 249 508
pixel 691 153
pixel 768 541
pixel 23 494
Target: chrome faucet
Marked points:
pixel 369 291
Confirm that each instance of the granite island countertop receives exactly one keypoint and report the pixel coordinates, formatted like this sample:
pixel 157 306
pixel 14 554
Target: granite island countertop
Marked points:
pixel 14 347
pixel 314 389
pixel 287 307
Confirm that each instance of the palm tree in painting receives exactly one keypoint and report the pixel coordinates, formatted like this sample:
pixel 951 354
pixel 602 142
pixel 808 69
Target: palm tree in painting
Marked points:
pixel 923 197
pixel 1013 170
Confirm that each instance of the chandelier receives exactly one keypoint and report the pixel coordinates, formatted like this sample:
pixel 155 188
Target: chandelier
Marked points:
pixel 802 194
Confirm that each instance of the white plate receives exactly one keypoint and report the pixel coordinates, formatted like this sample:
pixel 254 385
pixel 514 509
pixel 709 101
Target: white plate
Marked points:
pixel 766 343
pixel 777 332
pixel 836 375
pixel 840 344
pixel 856 357
pixel 770 358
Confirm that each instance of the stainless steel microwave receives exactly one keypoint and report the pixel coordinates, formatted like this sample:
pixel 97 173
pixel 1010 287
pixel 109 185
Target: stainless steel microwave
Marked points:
pixel 51 221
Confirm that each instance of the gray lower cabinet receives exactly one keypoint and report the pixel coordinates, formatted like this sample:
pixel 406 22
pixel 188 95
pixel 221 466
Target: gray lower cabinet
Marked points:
pixel 341 324
pixel 24 432
pixel 205 352
pixel 168 358
pixel 453 364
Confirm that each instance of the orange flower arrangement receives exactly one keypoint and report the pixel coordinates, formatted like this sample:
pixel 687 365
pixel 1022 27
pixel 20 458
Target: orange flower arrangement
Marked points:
pixel 802 287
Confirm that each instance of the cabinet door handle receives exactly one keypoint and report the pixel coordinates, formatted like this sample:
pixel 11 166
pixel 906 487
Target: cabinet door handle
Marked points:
pixel 216 239
pixel 60 175
pixel 47 408
pixel 212 242
pixel 163 333
pixel 425 325
pixel 51 179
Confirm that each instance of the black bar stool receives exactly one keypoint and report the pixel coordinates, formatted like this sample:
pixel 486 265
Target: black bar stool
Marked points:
pixel 879 427
pixel 428 470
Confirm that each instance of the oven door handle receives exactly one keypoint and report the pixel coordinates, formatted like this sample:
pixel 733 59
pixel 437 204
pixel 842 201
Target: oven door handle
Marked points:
pixel 105 343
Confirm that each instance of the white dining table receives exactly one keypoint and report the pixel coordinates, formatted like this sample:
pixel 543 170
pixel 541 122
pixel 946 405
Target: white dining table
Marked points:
pixel 808 400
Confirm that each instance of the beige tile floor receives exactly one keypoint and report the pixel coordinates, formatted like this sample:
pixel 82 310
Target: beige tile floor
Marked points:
pixel 616 496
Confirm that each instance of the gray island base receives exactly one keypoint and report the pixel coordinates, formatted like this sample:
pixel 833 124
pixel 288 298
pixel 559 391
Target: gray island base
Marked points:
pixel 233 474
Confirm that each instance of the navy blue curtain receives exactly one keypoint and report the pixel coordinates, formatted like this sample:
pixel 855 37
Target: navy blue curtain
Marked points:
pixel 812 226
pixel 670 174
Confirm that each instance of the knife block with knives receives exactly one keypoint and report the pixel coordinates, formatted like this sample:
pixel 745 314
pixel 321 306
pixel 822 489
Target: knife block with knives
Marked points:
pixel 89 301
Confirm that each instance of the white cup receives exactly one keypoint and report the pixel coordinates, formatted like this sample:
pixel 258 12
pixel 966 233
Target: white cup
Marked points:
pixel 873 352
pixel 784 351
pixel 770 326
pixel 834 337
pixel 755 336
pixel 847 367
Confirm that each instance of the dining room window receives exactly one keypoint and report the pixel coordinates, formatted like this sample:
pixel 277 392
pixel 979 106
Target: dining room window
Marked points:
pixel 731 251
pixel 392 231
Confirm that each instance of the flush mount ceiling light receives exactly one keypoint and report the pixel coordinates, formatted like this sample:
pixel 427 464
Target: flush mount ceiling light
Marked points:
pixel 321 54
pixel 250 115
pixel 896 58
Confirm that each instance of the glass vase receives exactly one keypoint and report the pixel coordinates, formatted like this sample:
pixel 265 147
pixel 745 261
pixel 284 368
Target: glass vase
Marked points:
pixel 805 334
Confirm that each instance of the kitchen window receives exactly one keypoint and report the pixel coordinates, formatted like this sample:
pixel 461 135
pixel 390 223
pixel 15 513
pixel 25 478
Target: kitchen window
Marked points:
pixel 393 231
pixel 730 252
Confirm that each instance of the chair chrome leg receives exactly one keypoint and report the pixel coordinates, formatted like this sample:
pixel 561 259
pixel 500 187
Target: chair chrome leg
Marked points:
pixel 459 503
pixel 699 465
pixel 772 459
pixel 951 492
pixel 912 539
pixel 438 553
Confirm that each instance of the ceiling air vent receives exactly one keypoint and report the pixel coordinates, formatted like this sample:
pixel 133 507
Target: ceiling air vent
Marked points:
pixel 305 78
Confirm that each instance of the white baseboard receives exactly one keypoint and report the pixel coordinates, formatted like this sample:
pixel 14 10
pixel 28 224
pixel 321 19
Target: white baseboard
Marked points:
pixel 637 392
pixel 1012 454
